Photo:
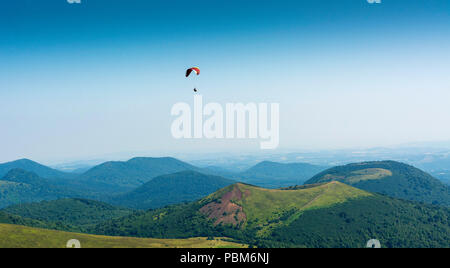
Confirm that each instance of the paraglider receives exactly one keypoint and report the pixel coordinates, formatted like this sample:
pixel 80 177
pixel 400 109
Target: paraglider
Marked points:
pixel 195 70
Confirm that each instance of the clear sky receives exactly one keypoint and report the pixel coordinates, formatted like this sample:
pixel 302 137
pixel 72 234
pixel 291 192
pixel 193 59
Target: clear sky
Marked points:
pixel 80 80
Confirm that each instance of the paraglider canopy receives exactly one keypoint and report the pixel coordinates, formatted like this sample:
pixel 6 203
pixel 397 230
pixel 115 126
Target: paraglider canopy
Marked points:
pixel 193 69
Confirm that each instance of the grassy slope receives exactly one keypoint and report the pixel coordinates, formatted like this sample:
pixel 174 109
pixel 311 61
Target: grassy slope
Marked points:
pixel 266 209
pixel 15 236
pixel 263 203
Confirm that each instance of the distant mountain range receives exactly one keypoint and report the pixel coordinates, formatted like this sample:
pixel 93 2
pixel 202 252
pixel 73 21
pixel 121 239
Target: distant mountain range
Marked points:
pixel 156 182
pixel 123 176
pixel 31 166
pixel 390 178
pixel 131 181
pixel 443 176
pixel 327 215
pixel 275 175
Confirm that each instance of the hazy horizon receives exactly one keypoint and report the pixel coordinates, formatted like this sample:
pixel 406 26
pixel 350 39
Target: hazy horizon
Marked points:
pixel 91 79
pixel 410 149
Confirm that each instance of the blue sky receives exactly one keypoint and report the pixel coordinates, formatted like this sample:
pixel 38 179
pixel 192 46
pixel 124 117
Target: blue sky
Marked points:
pixel 80 80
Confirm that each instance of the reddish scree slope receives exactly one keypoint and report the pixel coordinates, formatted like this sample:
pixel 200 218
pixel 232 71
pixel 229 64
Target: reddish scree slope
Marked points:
pixel 226 211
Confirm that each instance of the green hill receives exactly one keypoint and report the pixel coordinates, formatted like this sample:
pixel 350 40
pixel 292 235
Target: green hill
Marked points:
pixel 326 215
pixel 7 218
pixel 114 181
pixel 125 176
pixel 389 178
pixel 75 212
pixel 171 189
pixel 19 186
pixel 275 175
pixel 14 236
pixel 15 219
pixel 31 166
pixel 265 209
pixel 104 179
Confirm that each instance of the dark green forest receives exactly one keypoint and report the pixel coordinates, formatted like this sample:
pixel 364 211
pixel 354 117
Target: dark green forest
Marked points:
pixel 171 189
pixel 71 212
pixel 406 182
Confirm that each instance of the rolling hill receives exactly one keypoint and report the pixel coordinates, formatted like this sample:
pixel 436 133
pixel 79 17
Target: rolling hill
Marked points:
pixel 110 181
pixel 389 178
pixel 15 236
pixel 15 219
pixel 171 189
pixel 31 166
pixel 275 175
pixel 126 176
pixel 6 218
pixel 326 215
pixel 74 212
pixel 19 186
